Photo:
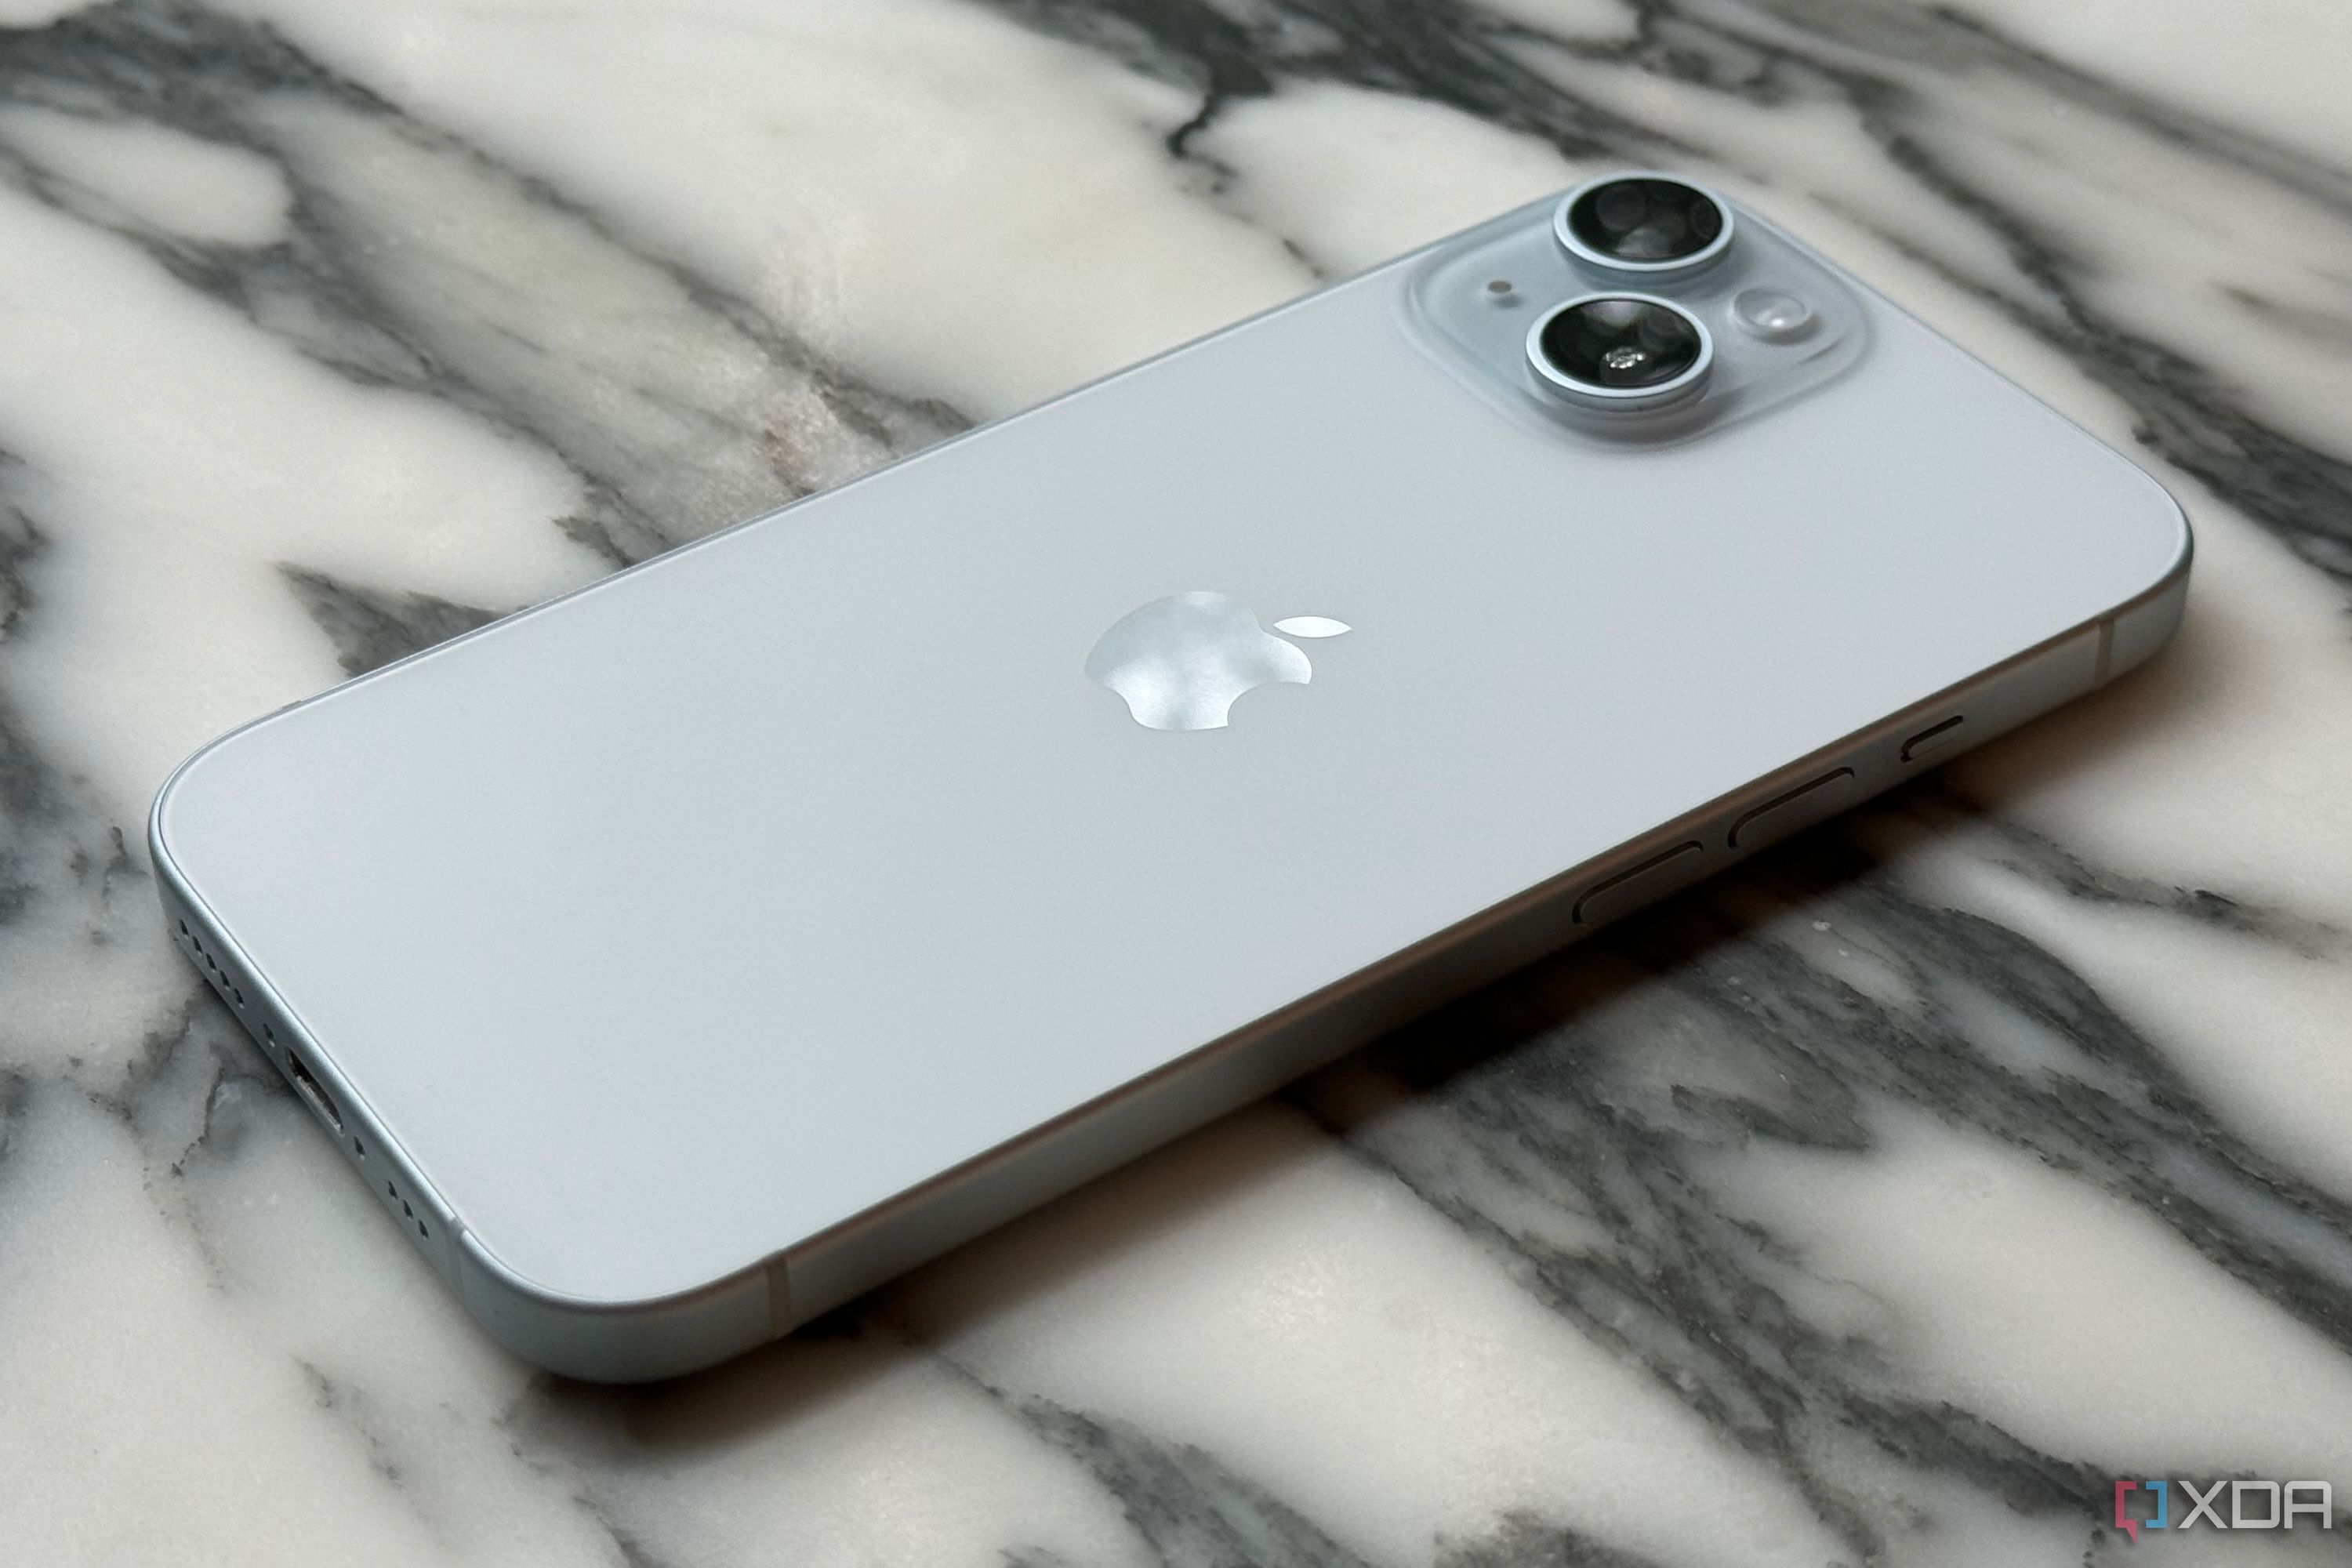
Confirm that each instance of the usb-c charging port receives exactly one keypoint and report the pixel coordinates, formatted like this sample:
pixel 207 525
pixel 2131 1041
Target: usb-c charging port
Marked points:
pixel 312 1089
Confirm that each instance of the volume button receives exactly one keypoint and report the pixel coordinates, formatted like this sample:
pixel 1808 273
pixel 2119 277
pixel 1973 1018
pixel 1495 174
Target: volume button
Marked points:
pixel 1629 890
pixel 1800 807
pixel 1934 738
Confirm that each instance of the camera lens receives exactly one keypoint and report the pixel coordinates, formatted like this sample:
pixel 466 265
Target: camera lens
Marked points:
pixel 1643 223
pixel 1621 350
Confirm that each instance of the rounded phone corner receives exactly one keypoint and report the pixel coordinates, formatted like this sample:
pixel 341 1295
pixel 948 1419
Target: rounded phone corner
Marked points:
pixel 606 1340
pixel 174 885
pixel 2183 537
pixel 176 785
pixel 2137 629
pixel 167 796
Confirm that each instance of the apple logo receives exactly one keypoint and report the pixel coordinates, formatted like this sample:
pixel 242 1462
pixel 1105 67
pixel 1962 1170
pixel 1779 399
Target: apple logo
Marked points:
pixel 1182 662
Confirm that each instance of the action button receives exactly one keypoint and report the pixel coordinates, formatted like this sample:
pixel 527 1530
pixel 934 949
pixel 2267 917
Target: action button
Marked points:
pixel 1800 807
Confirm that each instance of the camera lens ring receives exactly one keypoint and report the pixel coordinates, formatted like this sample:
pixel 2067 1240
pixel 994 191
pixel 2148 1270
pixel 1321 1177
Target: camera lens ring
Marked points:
pixel 1575 223
pixel 1563 383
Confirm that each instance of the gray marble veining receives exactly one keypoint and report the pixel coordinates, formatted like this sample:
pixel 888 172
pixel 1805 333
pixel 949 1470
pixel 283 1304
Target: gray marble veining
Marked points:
pixel 1884 1203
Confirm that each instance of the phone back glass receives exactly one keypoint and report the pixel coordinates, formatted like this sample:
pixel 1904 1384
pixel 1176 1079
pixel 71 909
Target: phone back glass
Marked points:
pixel 694 914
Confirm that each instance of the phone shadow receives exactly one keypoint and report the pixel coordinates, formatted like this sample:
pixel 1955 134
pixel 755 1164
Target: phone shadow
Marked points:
pixel 1565 1048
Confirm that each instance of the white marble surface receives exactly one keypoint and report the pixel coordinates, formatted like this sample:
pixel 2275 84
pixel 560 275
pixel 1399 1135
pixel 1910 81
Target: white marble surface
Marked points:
pixel 1882 1204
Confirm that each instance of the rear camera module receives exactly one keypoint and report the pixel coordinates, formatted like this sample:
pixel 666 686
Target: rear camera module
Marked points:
pixel 1622 352
pixel 1643 223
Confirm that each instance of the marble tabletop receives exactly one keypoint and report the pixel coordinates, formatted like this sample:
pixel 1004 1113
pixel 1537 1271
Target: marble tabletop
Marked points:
pixel 1884 1203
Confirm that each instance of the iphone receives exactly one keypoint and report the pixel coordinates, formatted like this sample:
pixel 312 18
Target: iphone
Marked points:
pixel 679 959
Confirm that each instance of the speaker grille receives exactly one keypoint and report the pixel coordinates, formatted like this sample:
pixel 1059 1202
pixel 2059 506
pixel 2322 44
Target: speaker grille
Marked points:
pixel 362 1144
